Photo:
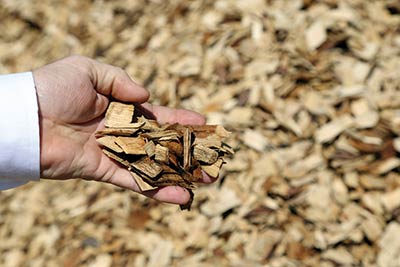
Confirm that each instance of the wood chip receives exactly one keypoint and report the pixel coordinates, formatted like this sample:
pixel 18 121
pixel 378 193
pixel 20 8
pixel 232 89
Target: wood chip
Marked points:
pixel 147 167
pixel 391 200
pixel 316 35
pixel 164 155
pixel 372 228
pixel 205 154
pixel 187 144
pixel 339 256
pixel 282 76
pixel 220 203
pixel 102 260
pixel 389 246
pixel 255 140
pixel 161 154
pixel 396 144
pixel 119 115
pixel 331 130
pixel 143 186
pixel 110 142
pixel 131 146
pixel 213 169
pixel 150 149
pixel 116 158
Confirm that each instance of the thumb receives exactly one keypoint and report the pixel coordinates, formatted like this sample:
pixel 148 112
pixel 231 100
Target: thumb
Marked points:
pixel 114 81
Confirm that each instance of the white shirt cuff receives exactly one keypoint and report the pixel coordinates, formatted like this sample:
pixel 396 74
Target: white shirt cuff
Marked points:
pixel 19 128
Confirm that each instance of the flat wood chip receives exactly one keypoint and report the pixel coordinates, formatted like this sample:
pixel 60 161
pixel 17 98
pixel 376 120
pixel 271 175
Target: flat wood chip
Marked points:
pixel 119 115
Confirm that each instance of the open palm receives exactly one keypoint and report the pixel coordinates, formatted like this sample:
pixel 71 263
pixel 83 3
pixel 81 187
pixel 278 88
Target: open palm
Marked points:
pixel 73 95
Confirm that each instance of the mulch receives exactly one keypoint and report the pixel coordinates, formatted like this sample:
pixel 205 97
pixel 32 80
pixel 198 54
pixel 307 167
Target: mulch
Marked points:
pixel 310 91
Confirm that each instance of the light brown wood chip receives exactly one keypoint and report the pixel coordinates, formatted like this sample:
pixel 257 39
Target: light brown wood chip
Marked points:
pixel 162 155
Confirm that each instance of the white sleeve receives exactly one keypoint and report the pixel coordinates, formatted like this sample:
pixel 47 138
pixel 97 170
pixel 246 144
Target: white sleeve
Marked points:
pixel 19 130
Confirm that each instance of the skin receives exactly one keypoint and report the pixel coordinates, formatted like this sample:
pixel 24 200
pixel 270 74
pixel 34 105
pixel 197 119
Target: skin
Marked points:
pixel 73 95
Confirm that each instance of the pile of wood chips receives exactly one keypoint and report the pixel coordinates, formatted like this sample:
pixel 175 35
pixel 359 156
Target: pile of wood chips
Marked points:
pixel 163 155
pixel 310 91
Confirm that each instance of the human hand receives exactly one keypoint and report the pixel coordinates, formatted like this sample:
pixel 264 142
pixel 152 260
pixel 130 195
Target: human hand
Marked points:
pixel 73 94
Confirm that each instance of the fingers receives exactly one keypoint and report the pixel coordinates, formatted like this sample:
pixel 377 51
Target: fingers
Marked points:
pixel 168 194
pixel 170 115
pixel 113 81
pixel 207 179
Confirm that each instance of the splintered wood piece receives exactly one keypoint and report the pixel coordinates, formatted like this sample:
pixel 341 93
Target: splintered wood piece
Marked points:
pixel 110 142
pixel 119 115
pixel 147 167
pixel 161 154
pixel 200 131
pixel 221 132
pixel 187 143
pixel 207 142
pixel 213 170
pixel 117 131
pixel 133 126
pixel 143 185
pixel 173 146
pixel 203 131
pixel 162 135
pixel 148 125
pixel 173 179
pixel 205 154
pixel 150 148
pixel 116 158
pixel 173 160
pixel 197 174
pixel 131 145
pixel 168 169
pixel 227 149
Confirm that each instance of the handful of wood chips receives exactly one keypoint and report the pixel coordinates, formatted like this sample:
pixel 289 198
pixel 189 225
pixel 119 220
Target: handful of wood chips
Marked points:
pixel 160 155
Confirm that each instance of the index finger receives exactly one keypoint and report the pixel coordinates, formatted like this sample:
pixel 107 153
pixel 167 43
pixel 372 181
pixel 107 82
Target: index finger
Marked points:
pixel 170 115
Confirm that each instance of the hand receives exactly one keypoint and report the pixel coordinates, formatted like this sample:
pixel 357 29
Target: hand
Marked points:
pixel 73 94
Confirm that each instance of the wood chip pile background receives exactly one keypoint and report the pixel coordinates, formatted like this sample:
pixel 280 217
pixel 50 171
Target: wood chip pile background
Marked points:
pixel 310 91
